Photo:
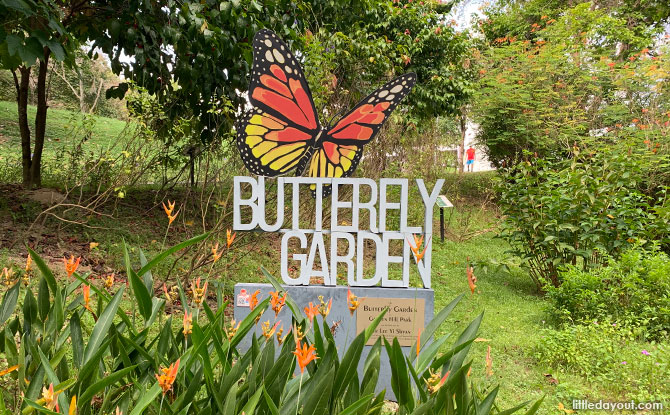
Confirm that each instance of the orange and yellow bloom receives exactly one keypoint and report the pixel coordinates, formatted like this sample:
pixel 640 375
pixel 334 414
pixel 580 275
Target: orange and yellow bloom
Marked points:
pixel 50 398
pixel 277 302
pixel 215 253
pixel 311 311
pixel 71 265
pixel 169 209
pixel 469 271
pixel 324 309
pixel 87 297
pixel 168 376
pixel 352 302
pixel 304 355
pixel 419 253
pixel 230 238
pixel 267 331
pixel 198 293
pixel 188 323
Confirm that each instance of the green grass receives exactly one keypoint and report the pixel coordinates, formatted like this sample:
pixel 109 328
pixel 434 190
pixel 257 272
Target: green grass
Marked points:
pixel 64 129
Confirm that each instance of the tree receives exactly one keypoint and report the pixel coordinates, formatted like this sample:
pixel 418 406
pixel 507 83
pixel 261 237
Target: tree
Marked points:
pixel 31 33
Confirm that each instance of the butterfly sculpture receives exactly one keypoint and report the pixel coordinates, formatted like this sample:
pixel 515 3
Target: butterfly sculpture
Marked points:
pixel 282 131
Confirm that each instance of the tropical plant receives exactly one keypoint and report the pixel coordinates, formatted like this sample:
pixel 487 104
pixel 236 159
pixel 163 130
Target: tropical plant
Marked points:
pixel 97 357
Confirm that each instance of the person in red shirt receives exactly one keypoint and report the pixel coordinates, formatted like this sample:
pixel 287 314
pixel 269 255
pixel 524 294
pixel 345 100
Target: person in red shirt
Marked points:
pixel 470 163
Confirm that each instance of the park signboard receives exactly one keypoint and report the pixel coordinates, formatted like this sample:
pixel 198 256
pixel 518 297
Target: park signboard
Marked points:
pixel 298 163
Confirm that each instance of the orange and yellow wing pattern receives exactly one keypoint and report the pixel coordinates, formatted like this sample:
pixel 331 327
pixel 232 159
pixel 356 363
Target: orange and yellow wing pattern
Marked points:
pixel 282 126
pixel 340 150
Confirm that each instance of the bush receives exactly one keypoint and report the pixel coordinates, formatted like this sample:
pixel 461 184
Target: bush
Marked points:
pixel 97 355
pixel 607 355
pixel 579 211
pixel 633 291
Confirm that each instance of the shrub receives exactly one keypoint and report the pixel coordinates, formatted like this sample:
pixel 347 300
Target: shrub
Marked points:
pixel 633 291
pixel 608 356
pixel 578 211
pixel 78 342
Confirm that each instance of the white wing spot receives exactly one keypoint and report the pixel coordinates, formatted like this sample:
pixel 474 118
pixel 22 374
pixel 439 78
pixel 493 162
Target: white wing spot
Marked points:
pixel 268 42
pixel 268 56
pixel 383 93
pixel 396 89
pixel 288 69
pixel 371 99
pixel 278 56
pixel 390 97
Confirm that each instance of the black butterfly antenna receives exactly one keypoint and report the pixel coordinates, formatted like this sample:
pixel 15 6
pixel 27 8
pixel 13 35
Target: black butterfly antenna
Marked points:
pixel 334 117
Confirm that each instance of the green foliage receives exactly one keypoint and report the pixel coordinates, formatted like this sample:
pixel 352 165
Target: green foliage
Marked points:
pixel 605 354
pixel 580 210
pixel 108 357
pixel 633 292
pixel 581 75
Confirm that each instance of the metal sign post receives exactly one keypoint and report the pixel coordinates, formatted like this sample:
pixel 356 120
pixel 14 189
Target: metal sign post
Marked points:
pixel 442 202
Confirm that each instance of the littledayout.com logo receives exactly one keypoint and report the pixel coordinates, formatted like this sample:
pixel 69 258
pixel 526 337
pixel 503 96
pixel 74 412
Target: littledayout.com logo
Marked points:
pixel 616 406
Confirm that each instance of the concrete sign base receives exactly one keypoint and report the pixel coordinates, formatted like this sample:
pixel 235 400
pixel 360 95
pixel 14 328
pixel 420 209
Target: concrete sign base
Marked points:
pixel 410 309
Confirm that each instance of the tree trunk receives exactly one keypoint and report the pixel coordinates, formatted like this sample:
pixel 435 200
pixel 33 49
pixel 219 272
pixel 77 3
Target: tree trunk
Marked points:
pixel 40 121
pixel 22 87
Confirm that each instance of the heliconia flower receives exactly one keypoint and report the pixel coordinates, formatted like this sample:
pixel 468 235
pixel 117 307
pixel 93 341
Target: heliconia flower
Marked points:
pixel 199 293
pixel 352 301
pixel 304 355
pixel 230 238
pixel 215 252
pixel 8 370
pixel 109 281
pixel 311 311
pixel 8 276
pixel 50 398
pixel 489 362
pixel 232 329
pixel 472 280
pixel 277 302
pixel 73 406
pixel 87 296
pixel 267 331
pixel 168 376
pixel 418 343
pixel 118 411
pixel 71 265
pixel 253 302
pixel 324 309
pixel 29 262
pixel 419 254
pixel 188 323
pixel 280 339
pixel 434 382
pixel 170 209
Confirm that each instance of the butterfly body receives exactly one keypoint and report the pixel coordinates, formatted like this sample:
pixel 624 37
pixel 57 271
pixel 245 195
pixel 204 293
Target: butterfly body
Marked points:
pixel 282 132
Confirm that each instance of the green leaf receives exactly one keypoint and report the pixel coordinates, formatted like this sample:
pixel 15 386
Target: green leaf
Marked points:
pixel 9 302
pixel 147 398
pixel 250 406
pixel 44 269
pixel 106 381
pixel 434 324
pixel 536 406
pixel 101 328
pixel 158 258
pixel 356 406
pixel 317 402
pixel 139 289
pixel 43 299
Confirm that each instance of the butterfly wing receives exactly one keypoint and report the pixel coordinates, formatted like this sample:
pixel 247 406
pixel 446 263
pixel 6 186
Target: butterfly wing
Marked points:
pixel 340 150
pixel 281 127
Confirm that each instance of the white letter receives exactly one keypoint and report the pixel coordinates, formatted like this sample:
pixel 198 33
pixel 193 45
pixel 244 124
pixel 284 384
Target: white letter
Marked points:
pixel 387 259
pixel 303 279
pixel 361 281
pixel 346 259
pixel 238 202
pixel 317 245
pixel 280 206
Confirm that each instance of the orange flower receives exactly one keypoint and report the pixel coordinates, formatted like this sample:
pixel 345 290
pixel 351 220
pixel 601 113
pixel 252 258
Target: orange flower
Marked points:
pixel 199 294
pixel 109 281
pixel 253 302
pixel 434 382
pixel 87 297
pixel 168 377
pixel 469 271
pixel 215 252
pixel 29 262
pixel 267 331
pixel 71 265
pixel 232 329
pixel 170 209
pixel 311 311
pixel 419 254
pixel 304 355
pixel 8 276
pixel 188 323
pixel 418 343
pixel 277 302
pixel 352 301
pixel 73 405
pixel 489 362
pixel 324 309
pixel 230 238
pixel 50 398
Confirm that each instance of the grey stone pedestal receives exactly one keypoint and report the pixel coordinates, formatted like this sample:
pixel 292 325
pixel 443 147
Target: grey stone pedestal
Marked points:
pixel 303 295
